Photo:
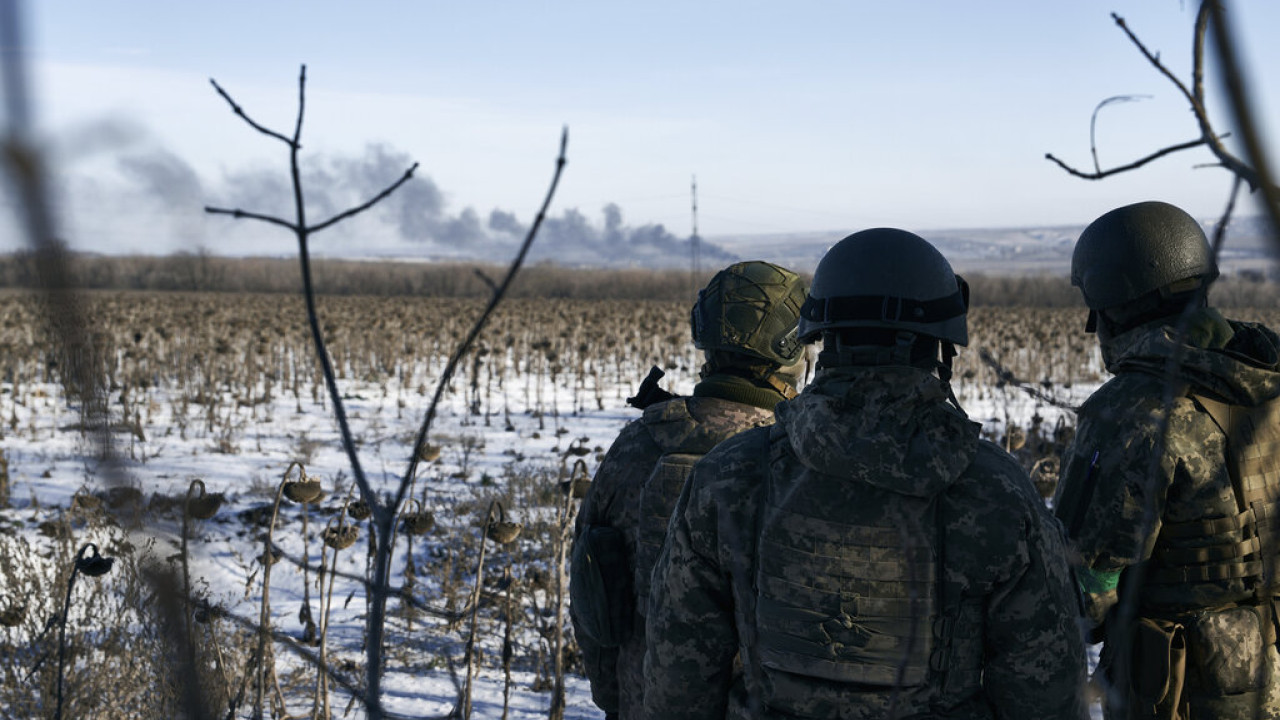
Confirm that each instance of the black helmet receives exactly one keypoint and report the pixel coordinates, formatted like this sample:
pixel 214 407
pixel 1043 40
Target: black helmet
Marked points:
pixel 750 308
pixel 890 279
pixel 1137 249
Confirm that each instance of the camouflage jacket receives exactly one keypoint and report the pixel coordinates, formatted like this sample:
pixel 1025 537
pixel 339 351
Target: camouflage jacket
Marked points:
pixel 1116 493
pixel 614 499
pixel 1007 643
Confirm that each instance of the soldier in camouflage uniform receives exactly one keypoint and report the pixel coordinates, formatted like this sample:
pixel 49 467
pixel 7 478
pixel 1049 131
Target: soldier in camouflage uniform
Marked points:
pixel 1169 490
pixel 745 323
pixel 867 556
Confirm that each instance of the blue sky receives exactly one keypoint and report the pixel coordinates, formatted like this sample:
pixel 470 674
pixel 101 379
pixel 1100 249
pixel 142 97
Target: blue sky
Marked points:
pixel 798 116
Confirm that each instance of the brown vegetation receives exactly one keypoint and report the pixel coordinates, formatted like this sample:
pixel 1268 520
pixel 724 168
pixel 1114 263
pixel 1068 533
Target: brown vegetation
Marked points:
pixel 201 272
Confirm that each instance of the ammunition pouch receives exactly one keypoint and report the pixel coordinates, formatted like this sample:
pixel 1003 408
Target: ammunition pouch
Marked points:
pixel 1201 660
pixel 1227 650
pixel 1157 665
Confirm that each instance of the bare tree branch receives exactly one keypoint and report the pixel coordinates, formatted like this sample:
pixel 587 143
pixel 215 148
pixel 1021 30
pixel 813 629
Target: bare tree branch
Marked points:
pixel 1154 59
pixel 1093 123
pixel 384 516
pixel 302 104
pixel 240 111
pixel 1124 168
pixel 1233 78
pixel 238 213
pixel 497 296
pixel 1194 97
pixel 488 281
pixel 1005 376
pixel 361 208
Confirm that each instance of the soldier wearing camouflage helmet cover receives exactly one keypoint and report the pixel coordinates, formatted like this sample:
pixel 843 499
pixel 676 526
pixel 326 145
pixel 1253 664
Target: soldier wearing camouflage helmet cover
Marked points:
pixel 867 556
pixel 1171 488
pixel 745 323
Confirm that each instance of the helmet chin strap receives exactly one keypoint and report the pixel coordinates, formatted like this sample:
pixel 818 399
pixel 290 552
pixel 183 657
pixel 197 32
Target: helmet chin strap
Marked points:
pixel 783 379
pixel 784 388
pixel 944 365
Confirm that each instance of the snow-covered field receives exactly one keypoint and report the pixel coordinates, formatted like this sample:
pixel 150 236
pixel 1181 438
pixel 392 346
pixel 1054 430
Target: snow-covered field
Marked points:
pixel 516 450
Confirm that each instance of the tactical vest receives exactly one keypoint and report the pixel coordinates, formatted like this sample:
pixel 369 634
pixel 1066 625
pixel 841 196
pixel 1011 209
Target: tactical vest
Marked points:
pixel 1242 545
pixel 1212 658
pixel 683 441
pixel 846 584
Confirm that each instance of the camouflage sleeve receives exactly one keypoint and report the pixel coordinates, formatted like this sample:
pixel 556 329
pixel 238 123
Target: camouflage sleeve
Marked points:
pixel 1035 664
pixel 1113 488
pixel 691 634
pixel 612 500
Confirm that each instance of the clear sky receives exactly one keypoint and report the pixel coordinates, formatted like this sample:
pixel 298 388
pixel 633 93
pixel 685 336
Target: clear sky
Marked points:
pixel 795 116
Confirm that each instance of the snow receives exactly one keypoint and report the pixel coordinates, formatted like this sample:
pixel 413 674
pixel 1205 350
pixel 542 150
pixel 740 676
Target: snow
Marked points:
pixel 247 451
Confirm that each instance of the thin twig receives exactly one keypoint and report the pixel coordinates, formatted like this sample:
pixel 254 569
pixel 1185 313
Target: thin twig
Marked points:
pixel 1006 376
pixel 361 208
pixel 1124 168
pixel 1233 78
pixel 1194 97
pixel 1093 123
pixel 384 517
pixel 498 294
pixel 238 214
pixel 64 312
pixel 244 116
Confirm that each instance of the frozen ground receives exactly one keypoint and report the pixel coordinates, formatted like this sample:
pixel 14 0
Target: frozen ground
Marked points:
pixel 245 453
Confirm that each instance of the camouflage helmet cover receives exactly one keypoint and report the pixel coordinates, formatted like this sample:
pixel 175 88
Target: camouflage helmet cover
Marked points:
pixel 750 308
pixel 1136 249
pixel 887 278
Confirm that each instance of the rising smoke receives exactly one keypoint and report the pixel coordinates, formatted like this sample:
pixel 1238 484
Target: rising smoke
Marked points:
pixel 415 220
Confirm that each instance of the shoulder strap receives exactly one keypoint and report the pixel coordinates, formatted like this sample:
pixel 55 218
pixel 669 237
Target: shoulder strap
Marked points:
pixel 948 606
pixel 751 665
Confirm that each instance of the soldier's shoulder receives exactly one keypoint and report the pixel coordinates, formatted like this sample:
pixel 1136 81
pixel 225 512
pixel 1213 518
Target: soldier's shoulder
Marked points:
pixel 1128 392
pixel 727 414
pixel 634 432
pixel 634 446
pixel 747 447
pixel 996 481
pixel 734 462
pixel 993 511
pixel 696 424
pixel 1131 404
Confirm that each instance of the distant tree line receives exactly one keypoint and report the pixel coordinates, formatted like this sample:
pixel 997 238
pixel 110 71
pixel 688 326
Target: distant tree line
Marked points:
pixel 211 273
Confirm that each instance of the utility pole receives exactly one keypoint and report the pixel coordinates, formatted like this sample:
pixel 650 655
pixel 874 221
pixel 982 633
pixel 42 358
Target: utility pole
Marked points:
pixel 694 241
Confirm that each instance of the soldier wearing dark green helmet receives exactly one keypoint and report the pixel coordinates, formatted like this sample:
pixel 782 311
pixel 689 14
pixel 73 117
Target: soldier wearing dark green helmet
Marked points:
pixel 1172 506
pixel 866 556
pixel 744 321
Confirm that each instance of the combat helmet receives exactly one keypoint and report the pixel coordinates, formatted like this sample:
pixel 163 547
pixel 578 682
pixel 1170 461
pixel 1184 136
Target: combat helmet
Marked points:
pixel 750 308
pixel 1139 249
pixel 888 279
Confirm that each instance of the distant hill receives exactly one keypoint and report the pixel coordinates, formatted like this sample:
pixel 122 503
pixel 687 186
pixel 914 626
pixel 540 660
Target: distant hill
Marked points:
pixel 1000 251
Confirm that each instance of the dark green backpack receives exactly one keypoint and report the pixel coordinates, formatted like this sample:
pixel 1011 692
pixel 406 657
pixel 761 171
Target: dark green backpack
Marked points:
pixel 601 591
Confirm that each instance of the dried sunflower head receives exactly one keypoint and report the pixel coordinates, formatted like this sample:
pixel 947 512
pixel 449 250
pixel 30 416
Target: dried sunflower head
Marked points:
pixel 418 523
pixel 359 510
pixel 204 505
pixel 307 490
pixel 13 615
pixel 95 565
pixel 341 538
pixel 503 531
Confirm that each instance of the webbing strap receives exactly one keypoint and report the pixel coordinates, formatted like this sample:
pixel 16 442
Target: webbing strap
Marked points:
pixel 1201 528
pixel 1212 553
pixel 1207 573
